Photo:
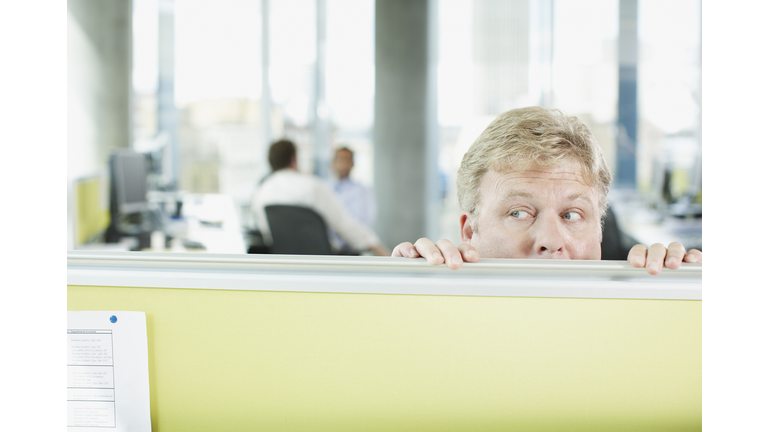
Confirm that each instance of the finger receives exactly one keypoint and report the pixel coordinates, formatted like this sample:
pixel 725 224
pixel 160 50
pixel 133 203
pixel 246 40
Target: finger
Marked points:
pixel 405 249
pixel 469 253
pixel 637 255
pixel 693 256
pixel 451 254
pixel 655 259
pixel 428 250
pixel 675 255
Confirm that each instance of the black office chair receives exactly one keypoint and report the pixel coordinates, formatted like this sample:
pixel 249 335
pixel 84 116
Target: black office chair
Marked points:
pixel 254 240
pixel 616 244
pixel 297 231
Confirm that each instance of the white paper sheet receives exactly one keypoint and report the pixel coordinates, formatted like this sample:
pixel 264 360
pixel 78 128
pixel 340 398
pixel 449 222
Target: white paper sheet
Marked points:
pixel 107 372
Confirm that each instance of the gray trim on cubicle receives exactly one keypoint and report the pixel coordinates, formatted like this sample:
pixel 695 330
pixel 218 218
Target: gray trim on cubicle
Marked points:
pixel 381 275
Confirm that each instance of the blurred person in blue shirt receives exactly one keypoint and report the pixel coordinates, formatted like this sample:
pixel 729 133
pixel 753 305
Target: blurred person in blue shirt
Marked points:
pixel 358 200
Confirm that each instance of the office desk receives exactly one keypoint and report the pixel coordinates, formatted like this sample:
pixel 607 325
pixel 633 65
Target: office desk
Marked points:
pixel 687 232
pixel 209 219
pixel 212 219
pixel 648 227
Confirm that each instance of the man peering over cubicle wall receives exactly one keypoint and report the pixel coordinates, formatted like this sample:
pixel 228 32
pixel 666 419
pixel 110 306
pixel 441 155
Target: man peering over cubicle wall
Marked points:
pixel 534 185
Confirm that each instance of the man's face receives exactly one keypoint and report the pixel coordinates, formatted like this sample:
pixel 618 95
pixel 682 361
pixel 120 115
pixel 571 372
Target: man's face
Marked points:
pixel 343 163
pixel 539 212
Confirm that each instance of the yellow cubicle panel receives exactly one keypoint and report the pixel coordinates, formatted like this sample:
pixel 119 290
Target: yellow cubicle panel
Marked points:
pixel 289 361
pixel 92 208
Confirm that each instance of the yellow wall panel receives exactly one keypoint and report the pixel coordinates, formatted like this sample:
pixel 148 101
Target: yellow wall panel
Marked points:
pixel 286 361
pixel 92 213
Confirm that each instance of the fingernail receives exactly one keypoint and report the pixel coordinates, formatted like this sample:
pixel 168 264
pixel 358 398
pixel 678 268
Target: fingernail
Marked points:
pixel 653 266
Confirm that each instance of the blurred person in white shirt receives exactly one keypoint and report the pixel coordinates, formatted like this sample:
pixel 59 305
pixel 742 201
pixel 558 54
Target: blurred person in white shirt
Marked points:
pixel 287 186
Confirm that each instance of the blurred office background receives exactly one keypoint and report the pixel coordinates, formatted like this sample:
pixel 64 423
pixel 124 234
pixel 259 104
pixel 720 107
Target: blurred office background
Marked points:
pixel 203 87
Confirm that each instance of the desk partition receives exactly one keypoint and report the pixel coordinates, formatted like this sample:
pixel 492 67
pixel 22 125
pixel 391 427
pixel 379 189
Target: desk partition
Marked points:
pixel 288 343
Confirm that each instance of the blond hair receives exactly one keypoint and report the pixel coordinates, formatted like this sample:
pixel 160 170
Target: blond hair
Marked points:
pixel 523 136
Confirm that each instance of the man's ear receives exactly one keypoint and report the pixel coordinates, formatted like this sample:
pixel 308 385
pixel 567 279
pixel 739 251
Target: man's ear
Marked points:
pixel 465 222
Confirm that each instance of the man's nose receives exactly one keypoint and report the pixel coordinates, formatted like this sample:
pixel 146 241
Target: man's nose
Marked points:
pixel 548 240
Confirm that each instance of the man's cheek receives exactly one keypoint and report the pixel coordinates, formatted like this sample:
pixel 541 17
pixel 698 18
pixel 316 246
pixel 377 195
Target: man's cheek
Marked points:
pixel 579 243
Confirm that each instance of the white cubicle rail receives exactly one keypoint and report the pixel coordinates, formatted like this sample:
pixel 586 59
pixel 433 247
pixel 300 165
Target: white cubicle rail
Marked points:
pixel 382 275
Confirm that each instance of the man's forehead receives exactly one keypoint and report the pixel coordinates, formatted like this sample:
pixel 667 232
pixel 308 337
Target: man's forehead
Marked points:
pixel 568 171
pixel 564 181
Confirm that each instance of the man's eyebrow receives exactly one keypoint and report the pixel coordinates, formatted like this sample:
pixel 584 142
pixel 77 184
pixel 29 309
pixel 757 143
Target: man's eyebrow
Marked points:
pixel 571 197
pixel 575 196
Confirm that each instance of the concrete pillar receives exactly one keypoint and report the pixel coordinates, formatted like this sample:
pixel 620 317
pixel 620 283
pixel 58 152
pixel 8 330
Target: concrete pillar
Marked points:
pixel 405 121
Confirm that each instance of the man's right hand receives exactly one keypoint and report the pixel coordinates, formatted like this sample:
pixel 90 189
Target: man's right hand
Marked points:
pixel 438 253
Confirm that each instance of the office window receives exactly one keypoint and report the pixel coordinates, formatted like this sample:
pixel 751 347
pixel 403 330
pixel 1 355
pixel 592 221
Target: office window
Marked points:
pixel 669 100
pixel 493 55
pixel 498 55
pixel 292 37
pixel 349 81
pixel 206 56
pixel 218 94
pixel 216 81
pixel 145 68
pixel 585 67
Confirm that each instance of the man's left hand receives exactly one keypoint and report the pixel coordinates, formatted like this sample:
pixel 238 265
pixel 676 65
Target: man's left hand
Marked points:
pixel 656 257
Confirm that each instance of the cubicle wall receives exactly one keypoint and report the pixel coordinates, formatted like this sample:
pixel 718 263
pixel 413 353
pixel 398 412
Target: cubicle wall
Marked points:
pixel 91 208
pixel 287 343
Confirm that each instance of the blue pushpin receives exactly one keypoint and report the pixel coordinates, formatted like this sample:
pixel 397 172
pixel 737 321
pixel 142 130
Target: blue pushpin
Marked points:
pixel 113 319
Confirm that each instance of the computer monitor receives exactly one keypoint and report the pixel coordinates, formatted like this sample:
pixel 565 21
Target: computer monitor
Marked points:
pixel 129 181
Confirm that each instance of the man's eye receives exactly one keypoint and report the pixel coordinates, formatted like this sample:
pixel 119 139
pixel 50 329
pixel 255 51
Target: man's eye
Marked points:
pixel 519 214
pixel 572 216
